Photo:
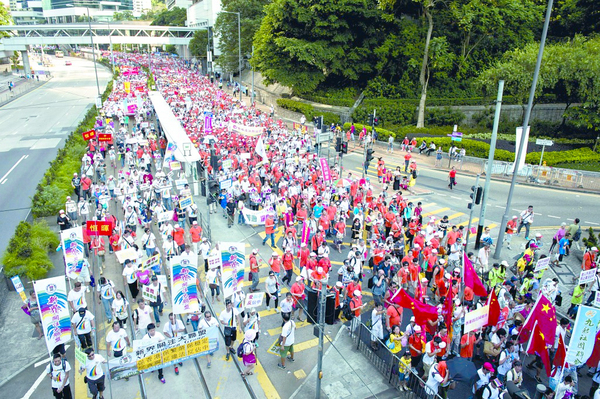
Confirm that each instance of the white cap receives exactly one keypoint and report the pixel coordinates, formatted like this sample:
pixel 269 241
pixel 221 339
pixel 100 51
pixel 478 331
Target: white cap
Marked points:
pixel 515 217
pixel 302 245
pixel 176 225
pixel 312 254
pixel 255 251
pixel 434 251
pixel 299 278
pixel 274 254
pixel 442 261
pixel 594 249
pixel 423 280
pixel 447 275
pixel 417 328
pixel 319 269
pixel 412 318
pixel 442 345
pixel 357 293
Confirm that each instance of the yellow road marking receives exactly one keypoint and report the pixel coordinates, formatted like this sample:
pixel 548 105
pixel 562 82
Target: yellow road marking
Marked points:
pixel 435 212
pixel 475 220
pixel 300 374
pixel 277 331
pixel 454 216
pixel 265 382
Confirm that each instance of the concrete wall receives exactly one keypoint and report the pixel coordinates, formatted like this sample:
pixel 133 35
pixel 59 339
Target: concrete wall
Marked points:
pixel 546 112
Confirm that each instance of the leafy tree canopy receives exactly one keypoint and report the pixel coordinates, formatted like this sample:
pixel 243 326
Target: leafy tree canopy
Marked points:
pixel 174 17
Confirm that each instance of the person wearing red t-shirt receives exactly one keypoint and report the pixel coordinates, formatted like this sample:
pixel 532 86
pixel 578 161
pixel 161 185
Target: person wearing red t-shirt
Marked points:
pixel 303 255
pixel 393 316
pixel 407 158
pixel 416 345
pixel 275 263
pixel 179 237
pixel 254 269
pixel 270 231
pixel 452 178
pixel 352 287
pixel 356 306
pixel 288 266
pixel 196 233
pixel 467 345
pixel 297 291
pixel 413 275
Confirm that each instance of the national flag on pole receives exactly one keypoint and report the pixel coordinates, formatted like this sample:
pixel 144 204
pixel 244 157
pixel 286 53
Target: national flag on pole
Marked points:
pixel 544 315
pixel 260 149
pixel 447 311
pixel 561 353
pixel 421 311
pixel 472 280
pixel 538 345
pixel 494 309
pixel 595 357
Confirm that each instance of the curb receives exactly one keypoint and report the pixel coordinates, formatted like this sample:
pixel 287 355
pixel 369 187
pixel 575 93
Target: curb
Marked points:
pixel 24 93
pixel 25 367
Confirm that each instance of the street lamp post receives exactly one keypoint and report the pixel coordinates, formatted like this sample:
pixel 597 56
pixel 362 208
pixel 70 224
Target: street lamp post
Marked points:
pixel 239 48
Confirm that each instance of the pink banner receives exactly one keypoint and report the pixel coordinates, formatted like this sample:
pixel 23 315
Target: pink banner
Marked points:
pixel 305 234
pixel 208 124
pixel 325 169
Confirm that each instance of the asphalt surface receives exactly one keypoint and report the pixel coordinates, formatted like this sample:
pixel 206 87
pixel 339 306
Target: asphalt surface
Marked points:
pixel 32 129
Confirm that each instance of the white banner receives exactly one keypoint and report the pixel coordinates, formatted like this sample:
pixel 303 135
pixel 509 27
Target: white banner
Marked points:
pixel 476 318
pixel 233 262
pixel 587 276
pixel 247 130
pixel 257 217
pixel 542 264
pixel 184 270
pixel 54 310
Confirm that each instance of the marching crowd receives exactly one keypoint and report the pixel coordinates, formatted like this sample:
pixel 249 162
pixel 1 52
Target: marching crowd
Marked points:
pixel 405 259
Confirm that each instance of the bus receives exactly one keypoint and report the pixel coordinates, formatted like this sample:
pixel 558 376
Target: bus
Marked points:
pixel 59 54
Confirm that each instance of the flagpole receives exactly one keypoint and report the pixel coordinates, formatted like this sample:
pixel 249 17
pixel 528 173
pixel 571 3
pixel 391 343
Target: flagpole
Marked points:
pixel 531 337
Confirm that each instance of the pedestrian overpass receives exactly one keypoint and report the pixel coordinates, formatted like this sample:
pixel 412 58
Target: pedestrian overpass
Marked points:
pixel 21 36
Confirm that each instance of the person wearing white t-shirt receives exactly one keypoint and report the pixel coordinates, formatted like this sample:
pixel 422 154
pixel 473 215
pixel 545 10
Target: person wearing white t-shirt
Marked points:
pixel 438 374
pixel 94 372
pixel 228 319
pixel 207 322
pixel 130 278
pixel 76 297
pixel 172 329
pixel 153 337
pixel 83 324
pixel 117 340
pixel 143 317
pixel 287 341
pixel 58 370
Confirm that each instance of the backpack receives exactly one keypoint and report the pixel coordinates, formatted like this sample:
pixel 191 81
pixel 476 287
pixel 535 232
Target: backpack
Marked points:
pixel 348 313
pixel 479 392
pixel 371 283
pixel 240 349
pixel 577 234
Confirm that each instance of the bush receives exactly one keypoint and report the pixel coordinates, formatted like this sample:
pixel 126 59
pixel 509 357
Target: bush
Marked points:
pixel 27 251
pixel 580 155
pixel 443 116
pixel 308 111
pixel 332 96
pixel 390 114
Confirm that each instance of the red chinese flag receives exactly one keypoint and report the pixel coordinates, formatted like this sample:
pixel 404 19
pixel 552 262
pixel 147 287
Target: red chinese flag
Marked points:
pixel 421 311
pixel 595 357
pixel 104 137
pixel 538 346
pixel 494 310
pixel 447 310
pixel 544 314
pixel 472 280
pixel 561 353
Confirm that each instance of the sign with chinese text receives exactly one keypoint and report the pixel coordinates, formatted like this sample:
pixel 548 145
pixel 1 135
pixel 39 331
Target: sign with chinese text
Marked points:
pixel 104 137
pixel 325 169
pixel 587 276
pixel 100 228
pixel 73 251
pixel 51 296
pixel 583 336
pixel 476 318
pixel 254 300
pixel 233 262
pixel 90 134
pixel 183 283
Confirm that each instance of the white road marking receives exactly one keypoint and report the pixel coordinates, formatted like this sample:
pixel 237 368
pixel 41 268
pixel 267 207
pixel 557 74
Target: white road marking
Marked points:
pixel 554 217
pixel 458 198
pixel 35 385
pixel 498 206
pixel 4 178
pixel 596 224
pixel 441 195
pixel 38 364
pixel 516 210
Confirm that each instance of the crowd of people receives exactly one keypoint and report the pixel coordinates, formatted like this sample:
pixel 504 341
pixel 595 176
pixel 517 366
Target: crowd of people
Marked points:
pixel 391 245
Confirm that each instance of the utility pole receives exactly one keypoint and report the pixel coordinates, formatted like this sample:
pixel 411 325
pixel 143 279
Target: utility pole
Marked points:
pixel 488 172
pixel 366 151
pixel 526 117
pixel 252 75
pixel 322 303
pixel 471 213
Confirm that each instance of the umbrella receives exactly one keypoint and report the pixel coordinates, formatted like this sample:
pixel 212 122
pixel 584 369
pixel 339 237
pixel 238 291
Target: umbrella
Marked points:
pixel 342 183
pixel 461 369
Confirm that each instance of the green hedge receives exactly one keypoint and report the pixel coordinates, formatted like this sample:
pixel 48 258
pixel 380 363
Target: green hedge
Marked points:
pixel 457 101
pixel 308 110
pixel 27 251
pixel 390 114
pixel 580 155
pixel 51 192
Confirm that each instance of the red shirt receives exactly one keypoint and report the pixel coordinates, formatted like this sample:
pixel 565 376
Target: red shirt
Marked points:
pixel 269 224
pixel 297 291
pixel 196 232
pixel 275 264
pixel 178 236
pixel 253 263
pixel 288 261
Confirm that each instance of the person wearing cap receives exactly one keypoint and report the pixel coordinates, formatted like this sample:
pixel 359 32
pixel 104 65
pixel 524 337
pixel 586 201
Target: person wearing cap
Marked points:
pixel 254 270
pixel 83 324
pixel 71 209
pixel 63 220
pixel 299 297
pixel 356 305
pixel 483 376
pixel 432 349
pixel 248 352
pixel 272 290
pixel 511 229
pixel 416 343
pixel 275 263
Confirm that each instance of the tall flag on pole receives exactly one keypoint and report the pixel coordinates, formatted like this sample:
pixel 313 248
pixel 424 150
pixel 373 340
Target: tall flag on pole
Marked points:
pixel 260 148
pixel 421 311
pixel 544 314
pixel 472 280
pixel 538 345
pixel 494 309
pixel 561 353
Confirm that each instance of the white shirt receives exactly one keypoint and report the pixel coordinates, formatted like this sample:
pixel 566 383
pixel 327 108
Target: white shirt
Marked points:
pixel 483 378
pixel 144 317
pixel 149 240
pixel 77 298
pixel 171 329
pixel 286 306
pixel 116 340
pixel 206 324
pixel 83 325
pixel 120 308
pixel 59 373
pixel 155 339
pixel 107 290
pixel 288 332
pixel 228 318
pixel 434 381
pixel 129 273
pixel 93 368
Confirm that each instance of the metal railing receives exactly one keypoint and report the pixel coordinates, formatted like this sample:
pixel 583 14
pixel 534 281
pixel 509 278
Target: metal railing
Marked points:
pixel 386 362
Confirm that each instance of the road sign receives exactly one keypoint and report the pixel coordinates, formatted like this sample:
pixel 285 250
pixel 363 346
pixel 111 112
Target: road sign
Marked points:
pixel 544 142
pixel 324 137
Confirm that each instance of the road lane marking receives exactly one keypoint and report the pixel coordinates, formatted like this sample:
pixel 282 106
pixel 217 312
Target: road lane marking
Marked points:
pixel 596 224
pixel 4 178
pixel 554 217
pixel 457 198
pixel 35 385
pixel 435 212
pixel 265 383
pixel 475 220
pixel 457 214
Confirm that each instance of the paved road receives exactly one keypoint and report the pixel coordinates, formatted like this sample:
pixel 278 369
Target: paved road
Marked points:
pixel 33 127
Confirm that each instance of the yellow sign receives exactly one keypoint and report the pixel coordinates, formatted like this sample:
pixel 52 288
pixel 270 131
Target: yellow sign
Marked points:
pixel 197 346
pixel 149 361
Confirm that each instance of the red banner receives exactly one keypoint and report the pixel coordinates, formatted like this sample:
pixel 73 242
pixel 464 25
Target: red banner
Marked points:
pixel 101 228
pixel 90 134
pixel 104 137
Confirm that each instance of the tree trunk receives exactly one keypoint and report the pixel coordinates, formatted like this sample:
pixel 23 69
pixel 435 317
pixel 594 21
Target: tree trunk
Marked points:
pixel 422 79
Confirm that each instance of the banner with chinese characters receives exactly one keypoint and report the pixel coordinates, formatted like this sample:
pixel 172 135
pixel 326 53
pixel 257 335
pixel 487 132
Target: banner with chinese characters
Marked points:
pixel 147 358
pixel 325 169
pixel 101 228
pixel 73 251
pixel 51 296
pixel 234 260
pixel 257 217
pixel 183 284
pixel 583 336
pixel 90 134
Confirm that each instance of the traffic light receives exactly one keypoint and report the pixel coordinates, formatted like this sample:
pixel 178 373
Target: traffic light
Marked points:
pixel 370 120
pixel 477 193
pixel 344 147
pixel 376 121
pixel 370 155
pixel 338 144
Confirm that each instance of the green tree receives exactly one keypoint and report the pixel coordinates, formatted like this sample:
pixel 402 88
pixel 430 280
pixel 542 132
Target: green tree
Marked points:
pixel 198 44
pixel 573 17
pixel 5 19
pixel 123 16
pixel 226 28
pixel 303 43
pixel 173 17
